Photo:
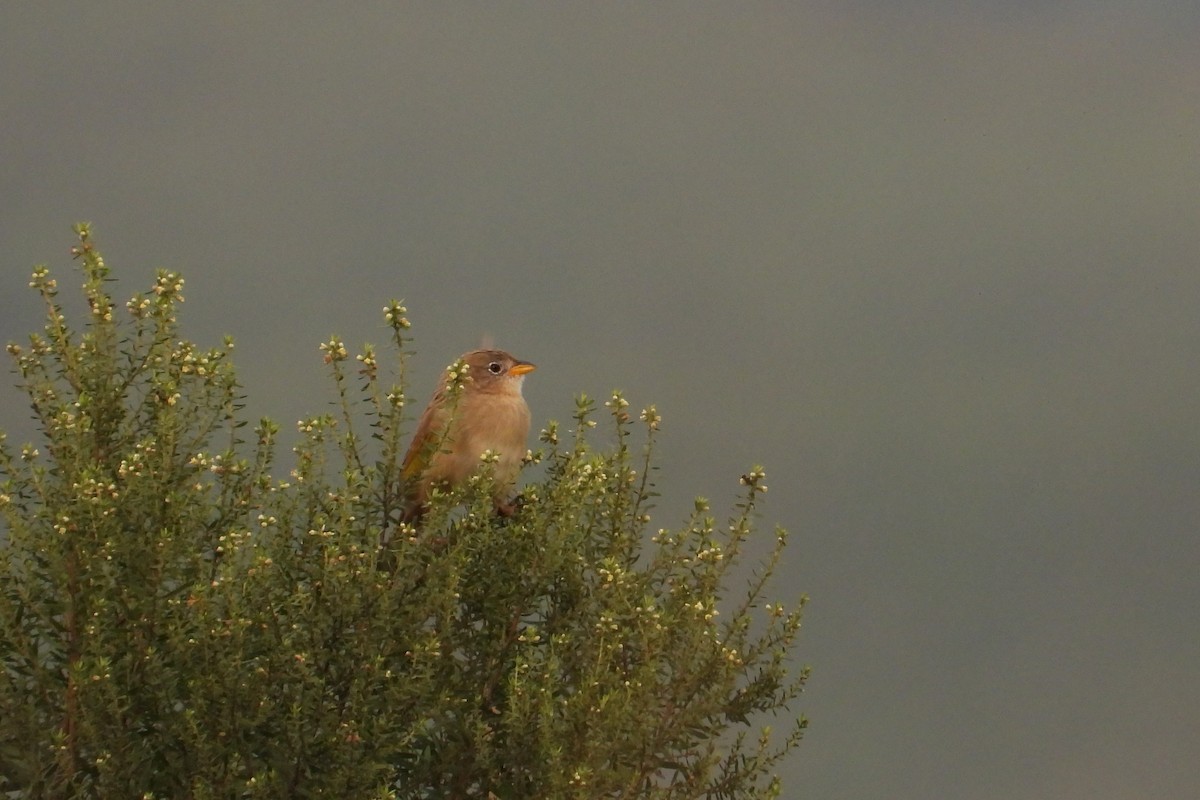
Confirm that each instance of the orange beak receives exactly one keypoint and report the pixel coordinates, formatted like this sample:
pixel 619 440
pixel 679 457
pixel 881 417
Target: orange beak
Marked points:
pixel 521 367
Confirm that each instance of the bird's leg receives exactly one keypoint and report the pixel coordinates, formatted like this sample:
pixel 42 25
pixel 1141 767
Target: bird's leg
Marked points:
pixel 508 508
pixel 413 514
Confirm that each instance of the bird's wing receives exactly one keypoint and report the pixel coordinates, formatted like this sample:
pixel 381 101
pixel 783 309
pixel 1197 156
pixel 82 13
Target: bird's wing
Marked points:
pixel 416 460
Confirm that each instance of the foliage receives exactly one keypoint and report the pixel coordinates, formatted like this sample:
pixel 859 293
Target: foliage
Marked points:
pixel 177 623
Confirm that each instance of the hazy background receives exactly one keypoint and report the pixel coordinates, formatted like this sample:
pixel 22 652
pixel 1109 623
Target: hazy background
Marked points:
pixel 933 264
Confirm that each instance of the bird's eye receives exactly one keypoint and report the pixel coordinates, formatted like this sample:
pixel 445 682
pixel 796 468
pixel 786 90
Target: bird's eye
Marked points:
pixel 495 368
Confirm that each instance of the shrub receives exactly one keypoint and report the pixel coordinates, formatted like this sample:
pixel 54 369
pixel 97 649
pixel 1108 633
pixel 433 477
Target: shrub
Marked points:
pixel 175 622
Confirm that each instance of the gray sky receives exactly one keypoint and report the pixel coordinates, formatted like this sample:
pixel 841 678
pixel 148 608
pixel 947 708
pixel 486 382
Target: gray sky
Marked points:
pixel 933 264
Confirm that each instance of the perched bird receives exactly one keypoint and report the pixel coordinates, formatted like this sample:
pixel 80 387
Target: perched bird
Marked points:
pixel 489 414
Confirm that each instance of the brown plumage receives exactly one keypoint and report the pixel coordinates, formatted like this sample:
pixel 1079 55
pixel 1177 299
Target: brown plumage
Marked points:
pixel 490 414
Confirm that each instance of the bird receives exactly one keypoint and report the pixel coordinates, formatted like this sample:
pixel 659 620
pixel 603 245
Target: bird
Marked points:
pixel 453 433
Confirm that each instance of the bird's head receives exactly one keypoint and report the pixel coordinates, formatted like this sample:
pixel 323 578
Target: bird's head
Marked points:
pixel 495 371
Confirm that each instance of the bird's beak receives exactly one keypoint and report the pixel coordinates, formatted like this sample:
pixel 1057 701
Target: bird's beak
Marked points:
pixel 521 367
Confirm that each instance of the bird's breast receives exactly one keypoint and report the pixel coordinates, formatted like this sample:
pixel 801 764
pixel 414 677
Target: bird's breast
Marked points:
pixel 494 422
